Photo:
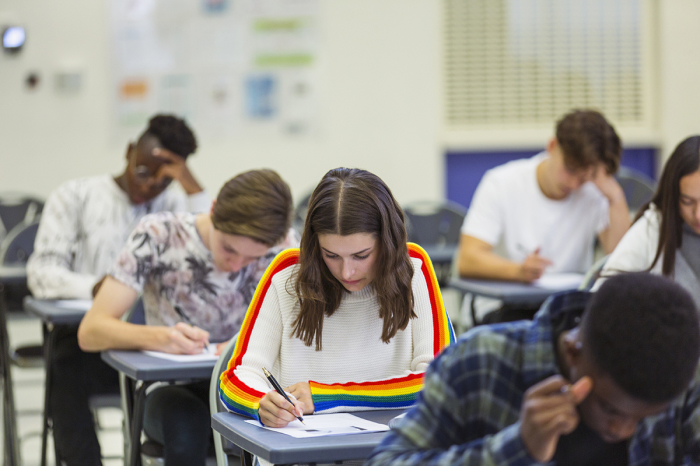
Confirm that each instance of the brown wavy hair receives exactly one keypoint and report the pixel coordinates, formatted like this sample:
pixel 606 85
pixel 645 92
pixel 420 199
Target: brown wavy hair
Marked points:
pixel 586 139
pixel 345 202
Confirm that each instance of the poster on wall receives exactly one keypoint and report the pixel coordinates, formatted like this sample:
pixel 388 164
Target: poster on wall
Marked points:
pixel 235 68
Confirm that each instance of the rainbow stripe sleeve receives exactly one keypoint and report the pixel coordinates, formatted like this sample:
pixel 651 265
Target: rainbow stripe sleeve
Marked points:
pixel 235 395
pixel 397 392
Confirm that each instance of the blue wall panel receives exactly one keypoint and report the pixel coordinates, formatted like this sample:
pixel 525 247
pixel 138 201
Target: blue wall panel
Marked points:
pixel 465 169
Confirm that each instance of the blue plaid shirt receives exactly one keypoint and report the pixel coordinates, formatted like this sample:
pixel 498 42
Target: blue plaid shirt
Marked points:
pixel 468 411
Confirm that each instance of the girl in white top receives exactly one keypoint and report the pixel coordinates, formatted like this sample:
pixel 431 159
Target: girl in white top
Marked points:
pixel 348 322
pixel 665 238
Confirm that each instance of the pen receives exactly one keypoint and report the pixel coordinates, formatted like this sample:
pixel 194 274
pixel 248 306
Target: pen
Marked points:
pixel 279 390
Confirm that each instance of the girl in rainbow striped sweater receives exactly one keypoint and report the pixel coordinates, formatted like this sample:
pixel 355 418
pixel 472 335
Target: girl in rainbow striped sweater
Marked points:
pixel 348 322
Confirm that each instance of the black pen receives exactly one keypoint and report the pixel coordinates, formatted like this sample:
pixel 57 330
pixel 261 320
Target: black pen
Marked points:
pixel 279 390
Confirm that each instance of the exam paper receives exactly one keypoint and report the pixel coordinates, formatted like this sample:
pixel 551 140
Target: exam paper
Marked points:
pixel 318 425
pixel 77 304
pixel 207 355
pixel 559 281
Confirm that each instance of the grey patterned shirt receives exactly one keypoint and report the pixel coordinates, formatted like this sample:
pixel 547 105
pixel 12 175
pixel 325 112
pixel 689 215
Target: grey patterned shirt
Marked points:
pixel 84 225
pixel 166 259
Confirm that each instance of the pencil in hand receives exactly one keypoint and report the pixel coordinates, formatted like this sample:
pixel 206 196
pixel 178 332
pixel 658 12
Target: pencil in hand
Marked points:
pixel 279 390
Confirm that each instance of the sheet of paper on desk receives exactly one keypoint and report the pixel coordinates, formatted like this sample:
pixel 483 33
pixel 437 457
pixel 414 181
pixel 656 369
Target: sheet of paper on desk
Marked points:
pixel 559 281
pixel 318 425
pixel 206 355
pixel 78 304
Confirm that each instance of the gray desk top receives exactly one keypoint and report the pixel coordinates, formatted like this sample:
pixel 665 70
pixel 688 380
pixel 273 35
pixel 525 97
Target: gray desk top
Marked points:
pixel 140 366
pixel 13 274
pixel 508 292
pixel 49 312
pixel 283 449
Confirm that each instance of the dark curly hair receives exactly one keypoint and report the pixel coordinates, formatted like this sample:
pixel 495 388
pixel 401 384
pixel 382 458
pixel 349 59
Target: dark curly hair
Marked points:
pixel 642 330
pixel 349 201
pixel 586 139
pixel 173 134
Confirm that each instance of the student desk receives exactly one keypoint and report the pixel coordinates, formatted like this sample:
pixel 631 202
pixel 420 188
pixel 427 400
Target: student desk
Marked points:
pixel 51 315
pixel 283 449
pixel 511 293
pixel 9 275
pixel 145 370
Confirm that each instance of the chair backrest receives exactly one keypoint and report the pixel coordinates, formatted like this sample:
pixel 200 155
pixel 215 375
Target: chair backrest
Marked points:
pixel 16 209
pixel 593 274
pixel 221 445
pixel 300 213
pixel 18 245
pixel 435 223
pixel 638 188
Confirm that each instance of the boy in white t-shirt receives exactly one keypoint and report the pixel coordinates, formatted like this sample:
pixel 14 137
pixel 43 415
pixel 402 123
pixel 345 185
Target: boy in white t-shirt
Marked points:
pixel 543 213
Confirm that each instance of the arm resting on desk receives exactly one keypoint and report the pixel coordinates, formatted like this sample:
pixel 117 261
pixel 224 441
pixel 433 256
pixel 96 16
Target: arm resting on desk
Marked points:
pixel 102 327
pixel 476 259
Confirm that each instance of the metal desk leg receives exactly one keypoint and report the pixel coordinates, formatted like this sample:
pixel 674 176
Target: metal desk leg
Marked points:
pixel 246 458
pixel 47 424
pixel 11 441
pixel 137 422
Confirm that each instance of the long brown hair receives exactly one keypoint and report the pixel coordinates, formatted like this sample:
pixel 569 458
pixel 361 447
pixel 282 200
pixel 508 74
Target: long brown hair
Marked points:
pixel 349 201
pixel 684 160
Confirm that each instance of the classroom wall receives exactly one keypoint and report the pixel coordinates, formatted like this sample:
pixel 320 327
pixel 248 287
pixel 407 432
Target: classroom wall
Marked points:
pixel 380 102
pixel 381 99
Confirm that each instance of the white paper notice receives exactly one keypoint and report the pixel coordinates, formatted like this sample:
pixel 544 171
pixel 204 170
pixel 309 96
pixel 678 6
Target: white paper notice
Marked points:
pixel 76 304
pixel 207 355
pixel 559 281
pixel 318 425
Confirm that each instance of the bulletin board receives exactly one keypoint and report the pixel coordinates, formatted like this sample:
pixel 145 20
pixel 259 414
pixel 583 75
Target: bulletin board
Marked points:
pixel 235 68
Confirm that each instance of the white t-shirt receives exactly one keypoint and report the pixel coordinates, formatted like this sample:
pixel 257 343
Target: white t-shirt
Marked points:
pixel 84 225
pixel 510 212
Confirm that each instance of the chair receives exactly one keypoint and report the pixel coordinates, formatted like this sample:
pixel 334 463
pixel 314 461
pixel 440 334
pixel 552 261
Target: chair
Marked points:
pixel 436 227
pixel 593 274
pixel 222 447
pixel 15 250
pixel 16 209
pixel 300 213
pixel 638 188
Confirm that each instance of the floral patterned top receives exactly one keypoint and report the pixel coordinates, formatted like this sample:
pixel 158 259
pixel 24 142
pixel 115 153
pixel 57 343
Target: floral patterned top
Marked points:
pixel 166 259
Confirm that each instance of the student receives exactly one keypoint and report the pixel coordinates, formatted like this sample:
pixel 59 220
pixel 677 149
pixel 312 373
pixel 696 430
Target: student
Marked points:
pixel 665 237
pixel 83 227
pixel 348 322
pixel 197 274
pixel 544 213
pixel 617 388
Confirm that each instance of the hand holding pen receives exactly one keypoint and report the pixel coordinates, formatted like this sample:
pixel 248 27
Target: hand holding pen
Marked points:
pixel 533 266
pixel 276 408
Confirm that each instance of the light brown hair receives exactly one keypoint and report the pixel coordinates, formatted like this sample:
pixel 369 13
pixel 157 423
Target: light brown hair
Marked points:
pixel 349 201
pixel 586 139
pixel 256 204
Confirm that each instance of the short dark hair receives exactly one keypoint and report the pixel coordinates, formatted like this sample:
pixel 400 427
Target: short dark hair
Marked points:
pixel 586 139
pixel 256 204
pixel 642 330
pixel 173 134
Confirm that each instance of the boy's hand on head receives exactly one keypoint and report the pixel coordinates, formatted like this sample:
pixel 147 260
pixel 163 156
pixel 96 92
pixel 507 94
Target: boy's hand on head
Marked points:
pixel 275 411
pixel 175 168
pixel 533 266
pixel 302 392
pixel 608 185
pixel 548 412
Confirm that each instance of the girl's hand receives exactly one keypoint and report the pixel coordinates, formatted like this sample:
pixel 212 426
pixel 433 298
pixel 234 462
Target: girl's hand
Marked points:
pixel 275 411
pixel 302 392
